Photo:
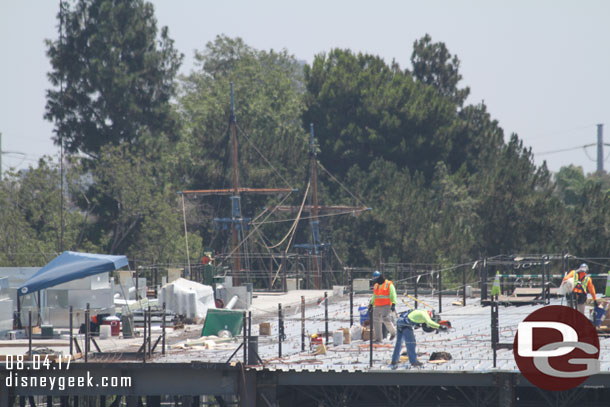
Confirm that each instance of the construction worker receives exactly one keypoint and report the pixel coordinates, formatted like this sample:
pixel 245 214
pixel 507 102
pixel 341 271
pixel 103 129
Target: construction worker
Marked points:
pixel 405 324
pixel 582 285
pixel 383 306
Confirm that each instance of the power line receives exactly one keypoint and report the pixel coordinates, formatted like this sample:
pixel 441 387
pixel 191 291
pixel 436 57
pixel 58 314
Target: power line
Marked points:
pixel 563 150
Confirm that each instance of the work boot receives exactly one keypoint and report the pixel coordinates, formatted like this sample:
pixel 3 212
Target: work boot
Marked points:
pixel 392 337
pixel 417 364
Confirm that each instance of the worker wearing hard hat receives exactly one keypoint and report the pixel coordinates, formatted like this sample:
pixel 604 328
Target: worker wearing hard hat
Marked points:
pixel 405 324
pixel 383 305
pixel 582 285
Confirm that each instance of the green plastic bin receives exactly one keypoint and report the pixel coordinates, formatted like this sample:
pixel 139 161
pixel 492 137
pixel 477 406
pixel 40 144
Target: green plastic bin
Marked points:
pixel 219 319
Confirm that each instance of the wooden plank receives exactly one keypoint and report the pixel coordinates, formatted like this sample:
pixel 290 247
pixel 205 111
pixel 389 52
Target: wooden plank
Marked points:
pixel 526 291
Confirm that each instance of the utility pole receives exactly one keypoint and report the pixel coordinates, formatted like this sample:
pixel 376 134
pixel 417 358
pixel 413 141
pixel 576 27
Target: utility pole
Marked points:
pixel 600 148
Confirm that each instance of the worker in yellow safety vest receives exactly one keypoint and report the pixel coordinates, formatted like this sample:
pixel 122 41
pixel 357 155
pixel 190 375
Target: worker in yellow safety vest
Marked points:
pixel 383 306
pixel 582 286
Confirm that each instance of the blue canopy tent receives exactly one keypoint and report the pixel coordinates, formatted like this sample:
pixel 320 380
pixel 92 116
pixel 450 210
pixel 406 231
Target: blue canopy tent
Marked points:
pixel 66 267
pixel 71 266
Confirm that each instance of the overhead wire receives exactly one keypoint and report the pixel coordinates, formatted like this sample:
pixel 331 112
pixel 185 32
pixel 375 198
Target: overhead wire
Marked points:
pixel 319 216
pixel 296 220
pixel 263 157
pixel 360 201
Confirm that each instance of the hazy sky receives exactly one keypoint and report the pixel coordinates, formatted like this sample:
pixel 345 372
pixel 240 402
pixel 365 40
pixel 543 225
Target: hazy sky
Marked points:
pixel 542 67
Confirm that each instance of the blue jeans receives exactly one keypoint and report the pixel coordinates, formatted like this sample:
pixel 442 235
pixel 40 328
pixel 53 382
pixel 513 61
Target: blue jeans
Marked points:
pixel 406 334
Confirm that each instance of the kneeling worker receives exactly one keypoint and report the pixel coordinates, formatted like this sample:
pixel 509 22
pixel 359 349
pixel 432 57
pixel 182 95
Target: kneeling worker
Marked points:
pixel 405 324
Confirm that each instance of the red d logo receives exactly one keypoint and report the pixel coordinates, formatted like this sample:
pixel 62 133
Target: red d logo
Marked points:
pixel 556 348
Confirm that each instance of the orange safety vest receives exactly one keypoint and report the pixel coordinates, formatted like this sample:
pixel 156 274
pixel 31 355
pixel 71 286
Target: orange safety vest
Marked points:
pixel 382 293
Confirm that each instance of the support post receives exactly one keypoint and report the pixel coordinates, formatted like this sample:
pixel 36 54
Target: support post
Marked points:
pixel 137 291
pixel 144 343
pixel 494 328
pixel 371 332
pixel 351 299
pixel 87 326
pixel 163 333
pixel 415 293
pixel 245 338
pixel 326 316
pixel 249 326
pixel 280 330
pixel 30 334
pixel 149 333
pixel 71 331
pixel 19 325
pixel 39 299
pixel 484 280
pixel 440 291
pixel 464 286
pixel 302 323
pixel 544 279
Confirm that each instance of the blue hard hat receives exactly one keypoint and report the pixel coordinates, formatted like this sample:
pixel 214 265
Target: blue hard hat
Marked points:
pixel 376 273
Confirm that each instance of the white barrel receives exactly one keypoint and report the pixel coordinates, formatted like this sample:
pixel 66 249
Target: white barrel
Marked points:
pixel 105 331
pixel 338 338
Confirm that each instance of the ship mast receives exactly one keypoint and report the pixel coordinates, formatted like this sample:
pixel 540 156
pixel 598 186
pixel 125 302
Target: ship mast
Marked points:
pixel 235 199
pixel 315 223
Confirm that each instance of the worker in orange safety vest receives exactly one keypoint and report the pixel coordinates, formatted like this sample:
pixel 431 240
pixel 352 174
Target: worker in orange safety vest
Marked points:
pixel 582 286
pixel 383 306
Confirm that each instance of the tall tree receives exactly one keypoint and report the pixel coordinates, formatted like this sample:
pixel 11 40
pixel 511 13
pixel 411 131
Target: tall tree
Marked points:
pixel 364 109
pixel 112 76
pixel 434 65
pixel 268 89
pixel 516 204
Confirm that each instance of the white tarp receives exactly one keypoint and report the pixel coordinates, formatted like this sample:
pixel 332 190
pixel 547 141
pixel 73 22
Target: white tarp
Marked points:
pixel 188 298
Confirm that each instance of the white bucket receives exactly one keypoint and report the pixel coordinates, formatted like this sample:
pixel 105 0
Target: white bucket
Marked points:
pixel 338 338
pixel 105 331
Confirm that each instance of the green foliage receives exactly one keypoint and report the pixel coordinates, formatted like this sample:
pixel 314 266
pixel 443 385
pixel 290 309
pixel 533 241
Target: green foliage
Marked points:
pixel 590 235
pixel 570 185
pixel 364 109
pixel 517 208
pixel 434 65
pixel 112 78
pixel 30 216
pixel 142 217
pixel 268 102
